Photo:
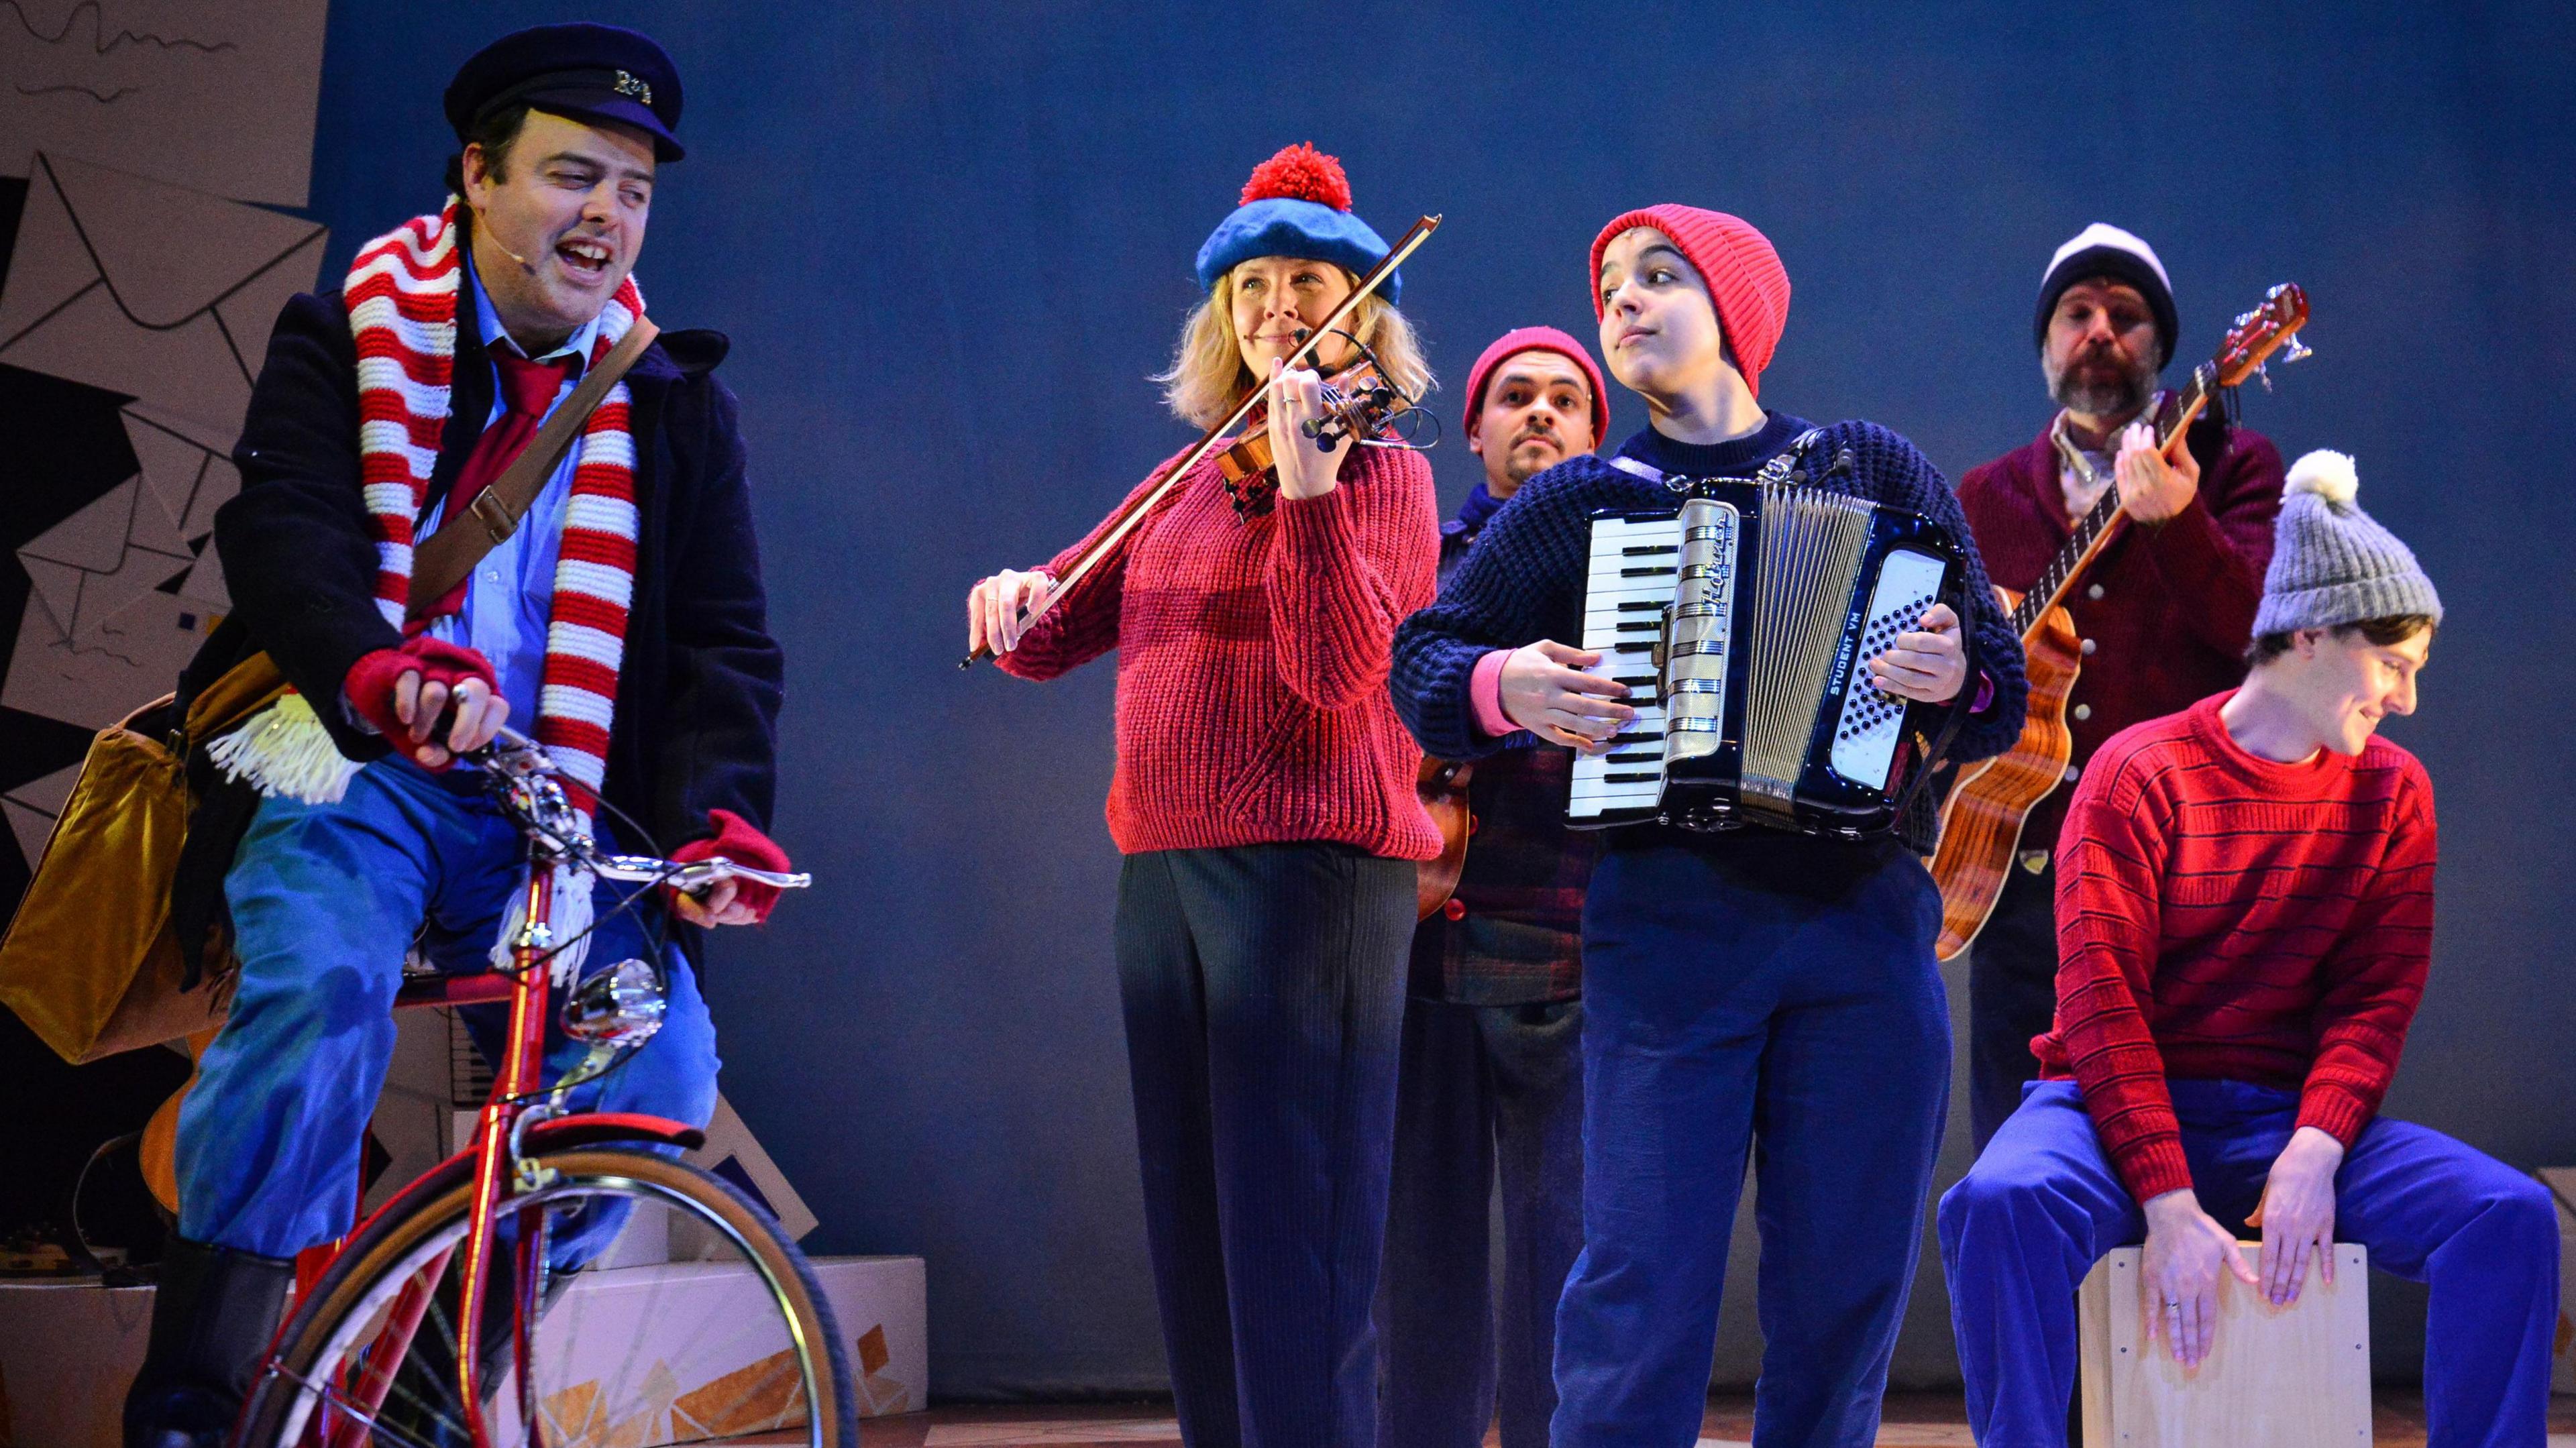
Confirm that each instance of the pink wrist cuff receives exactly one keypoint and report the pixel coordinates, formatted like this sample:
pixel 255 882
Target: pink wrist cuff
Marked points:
pixel 1485 695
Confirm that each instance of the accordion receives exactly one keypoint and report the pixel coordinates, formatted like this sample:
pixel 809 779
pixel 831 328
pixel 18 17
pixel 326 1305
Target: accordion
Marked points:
pixel 1740 622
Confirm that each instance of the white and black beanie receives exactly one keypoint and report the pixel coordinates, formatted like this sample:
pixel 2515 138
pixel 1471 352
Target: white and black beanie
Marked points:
pixel 2103 250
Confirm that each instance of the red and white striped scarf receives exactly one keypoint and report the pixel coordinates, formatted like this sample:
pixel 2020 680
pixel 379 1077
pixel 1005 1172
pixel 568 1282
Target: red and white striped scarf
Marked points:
pixel 402 295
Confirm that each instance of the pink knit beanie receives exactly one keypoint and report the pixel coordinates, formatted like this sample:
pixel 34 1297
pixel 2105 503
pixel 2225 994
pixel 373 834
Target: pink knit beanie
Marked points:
pixel 1744 276
pixel 1539 339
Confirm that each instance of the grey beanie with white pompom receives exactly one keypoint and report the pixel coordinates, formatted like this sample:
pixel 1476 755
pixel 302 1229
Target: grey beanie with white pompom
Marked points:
pixel 2331 562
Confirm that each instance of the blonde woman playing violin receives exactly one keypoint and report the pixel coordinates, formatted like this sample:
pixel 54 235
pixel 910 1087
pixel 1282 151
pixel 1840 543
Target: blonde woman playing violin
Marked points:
pixel 1264 801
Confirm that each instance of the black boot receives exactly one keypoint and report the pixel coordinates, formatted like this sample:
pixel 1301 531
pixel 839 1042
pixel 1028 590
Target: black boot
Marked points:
pixel 213 1314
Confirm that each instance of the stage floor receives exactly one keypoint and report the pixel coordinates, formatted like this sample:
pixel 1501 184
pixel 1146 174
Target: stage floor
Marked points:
pixel 1913 1420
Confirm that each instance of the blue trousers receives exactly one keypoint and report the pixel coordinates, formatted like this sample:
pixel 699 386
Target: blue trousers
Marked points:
pixel 1489 1096
pixel 326 900
pixel 1777 996
pixel 2021 1230
pixel 1263 987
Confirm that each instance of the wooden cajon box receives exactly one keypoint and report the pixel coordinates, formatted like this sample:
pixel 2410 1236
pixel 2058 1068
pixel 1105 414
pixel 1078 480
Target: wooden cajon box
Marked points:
pixel 2276 1377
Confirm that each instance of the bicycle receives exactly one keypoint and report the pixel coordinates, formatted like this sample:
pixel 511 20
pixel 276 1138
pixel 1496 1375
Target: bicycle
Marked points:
pixel 440 1299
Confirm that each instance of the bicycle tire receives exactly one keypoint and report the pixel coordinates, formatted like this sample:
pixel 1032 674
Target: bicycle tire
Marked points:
pixel 391 1249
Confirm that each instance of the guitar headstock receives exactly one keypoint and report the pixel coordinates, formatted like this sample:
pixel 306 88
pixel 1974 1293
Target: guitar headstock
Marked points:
pixel 2259 333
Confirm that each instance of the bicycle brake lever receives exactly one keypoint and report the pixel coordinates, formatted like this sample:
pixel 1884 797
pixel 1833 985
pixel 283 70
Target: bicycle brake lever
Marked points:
pixel 693 876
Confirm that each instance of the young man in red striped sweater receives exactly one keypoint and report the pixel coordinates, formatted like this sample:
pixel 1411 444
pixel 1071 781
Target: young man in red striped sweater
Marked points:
pixel 2245 917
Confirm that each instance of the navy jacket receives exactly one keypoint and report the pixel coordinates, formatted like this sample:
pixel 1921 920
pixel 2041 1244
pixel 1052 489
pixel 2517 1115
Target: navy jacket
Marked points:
pixel 699 689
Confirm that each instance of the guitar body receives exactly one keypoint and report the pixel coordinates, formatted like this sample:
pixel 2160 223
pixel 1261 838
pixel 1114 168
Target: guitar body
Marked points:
pixel 1981 822
pixel 1442 784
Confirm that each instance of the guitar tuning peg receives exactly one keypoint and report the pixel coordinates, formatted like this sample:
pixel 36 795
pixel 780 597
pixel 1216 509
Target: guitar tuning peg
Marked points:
pixel 2263 371
pixel 2296 351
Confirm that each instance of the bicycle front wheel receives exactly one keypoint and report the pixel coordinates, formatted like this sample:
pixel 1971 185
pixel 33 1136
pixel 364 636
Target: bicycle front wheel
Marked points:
pixel 740 1341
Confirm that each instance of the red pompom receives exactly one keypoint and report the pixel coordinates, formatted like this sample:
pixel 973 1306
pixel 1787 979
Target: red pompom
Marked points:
pixel 1303 172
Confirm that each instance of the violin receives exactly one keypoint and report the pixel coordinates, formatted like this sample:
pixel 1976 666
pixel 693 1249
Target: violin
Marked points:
pixel 1359 405
pixel 1133 512
pixel 1441 785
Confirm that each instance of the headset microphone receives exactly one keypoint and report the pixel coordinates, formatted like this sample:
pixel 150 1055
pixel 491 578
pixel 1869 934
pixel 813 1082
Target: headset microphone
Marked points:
pixel 495 238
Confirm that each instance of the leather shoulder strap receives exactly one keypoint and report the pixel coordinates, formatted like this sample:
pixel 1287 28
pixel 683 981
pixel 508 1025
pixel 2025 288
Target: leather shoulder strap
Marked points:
pixel 451 552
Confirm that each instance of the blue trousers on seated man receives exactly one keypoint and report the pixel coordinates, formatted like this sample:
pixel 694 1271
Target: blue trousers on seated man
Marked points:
pixel 326 900
pixel 2043 1204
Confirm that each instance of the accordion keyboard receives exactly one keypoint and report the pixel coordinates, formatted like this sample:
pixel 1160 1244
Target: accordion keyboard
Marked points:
pixel 1634 564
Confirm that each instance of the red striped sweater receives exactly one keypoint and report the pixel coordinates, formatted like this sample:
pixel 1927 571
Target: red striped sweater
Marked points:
pixel 2224 916
pixel 1252 661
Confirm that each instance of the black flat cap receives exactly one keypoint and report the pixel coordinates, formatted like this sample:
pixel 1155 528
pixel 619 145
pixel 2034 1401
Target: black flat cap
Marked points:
pixel 584 71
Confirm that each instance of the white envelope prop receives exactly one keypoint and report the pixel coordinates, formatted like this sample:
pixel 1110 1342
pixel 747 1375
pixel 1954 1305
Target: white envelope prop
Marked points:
pixel 215 94
pixel 126 588
pixel 152 290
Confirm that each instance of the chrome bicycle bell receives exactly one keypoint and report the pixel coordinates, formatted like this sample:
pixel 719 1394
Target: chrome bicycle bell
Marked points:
pixel 620 1006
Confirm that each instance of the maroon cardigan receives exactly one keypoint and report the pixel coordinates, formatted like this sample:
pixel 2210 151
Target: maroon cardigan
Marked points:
pixel 2169 607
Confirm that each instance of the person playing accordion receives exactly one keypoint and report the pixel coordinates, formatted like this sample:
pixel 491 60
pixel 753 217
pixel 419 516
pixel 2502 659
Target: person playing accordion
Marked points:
pixel 1745 986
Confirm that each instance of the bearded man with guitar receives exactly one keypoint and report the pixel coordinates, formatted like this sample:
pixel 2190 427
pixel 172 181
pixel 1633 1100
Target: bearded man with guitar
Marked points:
pixel 2160 610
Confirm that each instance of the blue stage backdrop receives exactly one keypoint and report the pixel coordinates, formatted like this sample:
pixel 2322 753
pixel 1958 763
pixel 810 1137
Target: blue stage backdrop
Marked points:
pixel 951 241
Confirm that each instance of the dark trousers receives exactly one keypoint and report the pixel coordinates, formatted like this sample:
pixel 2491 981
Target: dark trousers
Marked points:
pixel 1780 999
pixel 2043 1204
pixel 2012 995
pixel 1264 995
pixel 1486 1092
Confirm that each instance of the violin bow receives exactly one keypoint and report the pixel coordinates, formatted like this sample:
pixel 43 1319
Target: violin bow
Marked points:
pixel 1125 520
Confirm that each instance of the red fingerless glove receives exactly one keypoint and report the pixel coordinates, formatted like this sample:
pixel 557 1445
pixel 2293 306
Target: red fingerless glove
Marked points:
pixel 369 685
pixel 737 841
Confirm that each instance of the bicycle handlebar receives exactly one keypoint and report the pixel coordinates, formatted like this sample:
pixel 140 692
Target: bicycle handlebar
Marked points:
pixel 523 777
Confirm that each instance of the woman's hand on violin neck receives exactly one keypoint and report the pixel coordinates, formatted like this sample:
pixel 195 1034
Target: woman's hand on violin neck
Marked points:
pixel 998 609
pixel 1305 471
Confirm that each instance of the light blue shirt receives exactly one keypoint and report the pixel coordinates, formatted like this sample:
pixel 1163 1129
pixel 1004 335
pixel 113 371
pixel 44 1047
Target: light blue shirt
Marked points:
pixel 510 595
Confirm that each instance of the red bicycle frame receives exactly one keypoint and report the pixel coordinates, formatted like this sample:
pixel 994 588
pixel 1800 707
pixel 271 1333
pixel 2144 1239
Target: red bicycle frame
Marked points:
pixel 500 1169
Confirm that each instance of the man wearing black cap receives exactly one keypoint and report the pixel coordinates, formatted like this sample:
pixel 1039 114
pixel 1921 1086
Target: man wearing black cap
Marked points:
pixel 2163 612
pixel 622 623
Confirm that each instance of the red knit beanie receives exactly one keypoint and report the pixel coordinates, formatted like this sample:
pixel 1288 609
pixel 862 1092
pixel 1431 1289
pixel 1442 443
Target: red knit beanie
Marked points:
pixel 1538 339
pixel 1744 276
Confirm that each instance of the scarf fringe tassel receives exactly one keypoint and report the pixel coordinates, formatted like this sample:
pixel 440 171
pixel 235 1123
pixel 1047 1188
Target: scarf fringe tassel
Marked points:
pixel 285 753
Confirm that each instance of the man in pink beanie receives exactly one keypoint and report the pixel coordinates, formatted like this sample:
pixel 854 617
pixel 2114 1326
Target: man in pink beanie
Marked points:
pixel 1747 993
pixel 1490 1089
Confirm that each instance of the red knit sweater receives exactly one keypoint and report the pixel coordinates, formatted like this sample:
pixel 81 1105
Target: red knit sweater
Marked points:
pixel 1252 661
pixel 2223 916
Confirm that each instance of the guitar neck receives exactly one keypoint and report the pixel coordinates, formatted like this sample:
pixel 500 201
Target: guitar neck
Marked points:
pixel 2093 530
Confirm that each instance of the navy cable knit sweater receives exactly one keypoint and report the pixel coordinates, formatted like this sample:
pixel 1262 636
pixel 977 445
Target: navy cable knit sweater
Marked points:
pixel 1524 581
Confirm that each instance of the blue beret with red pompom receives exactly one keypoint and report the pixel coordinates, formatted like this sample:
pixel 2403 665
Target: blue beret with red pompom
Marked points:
pixel 1298 203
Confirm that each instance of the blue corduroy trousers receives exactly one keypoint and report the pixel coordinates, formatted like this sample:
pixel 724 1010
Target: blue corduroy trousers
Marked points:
pixel 326 900
pixel 1490 1099
pixel 1775 996
pixel 2043 1204
pixel 1263 987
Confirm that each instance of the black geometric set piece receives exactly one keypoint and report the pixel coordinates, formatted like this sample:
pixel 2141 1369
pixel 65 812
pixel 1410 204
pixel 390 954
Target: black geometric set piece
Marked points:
pixel 63 446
